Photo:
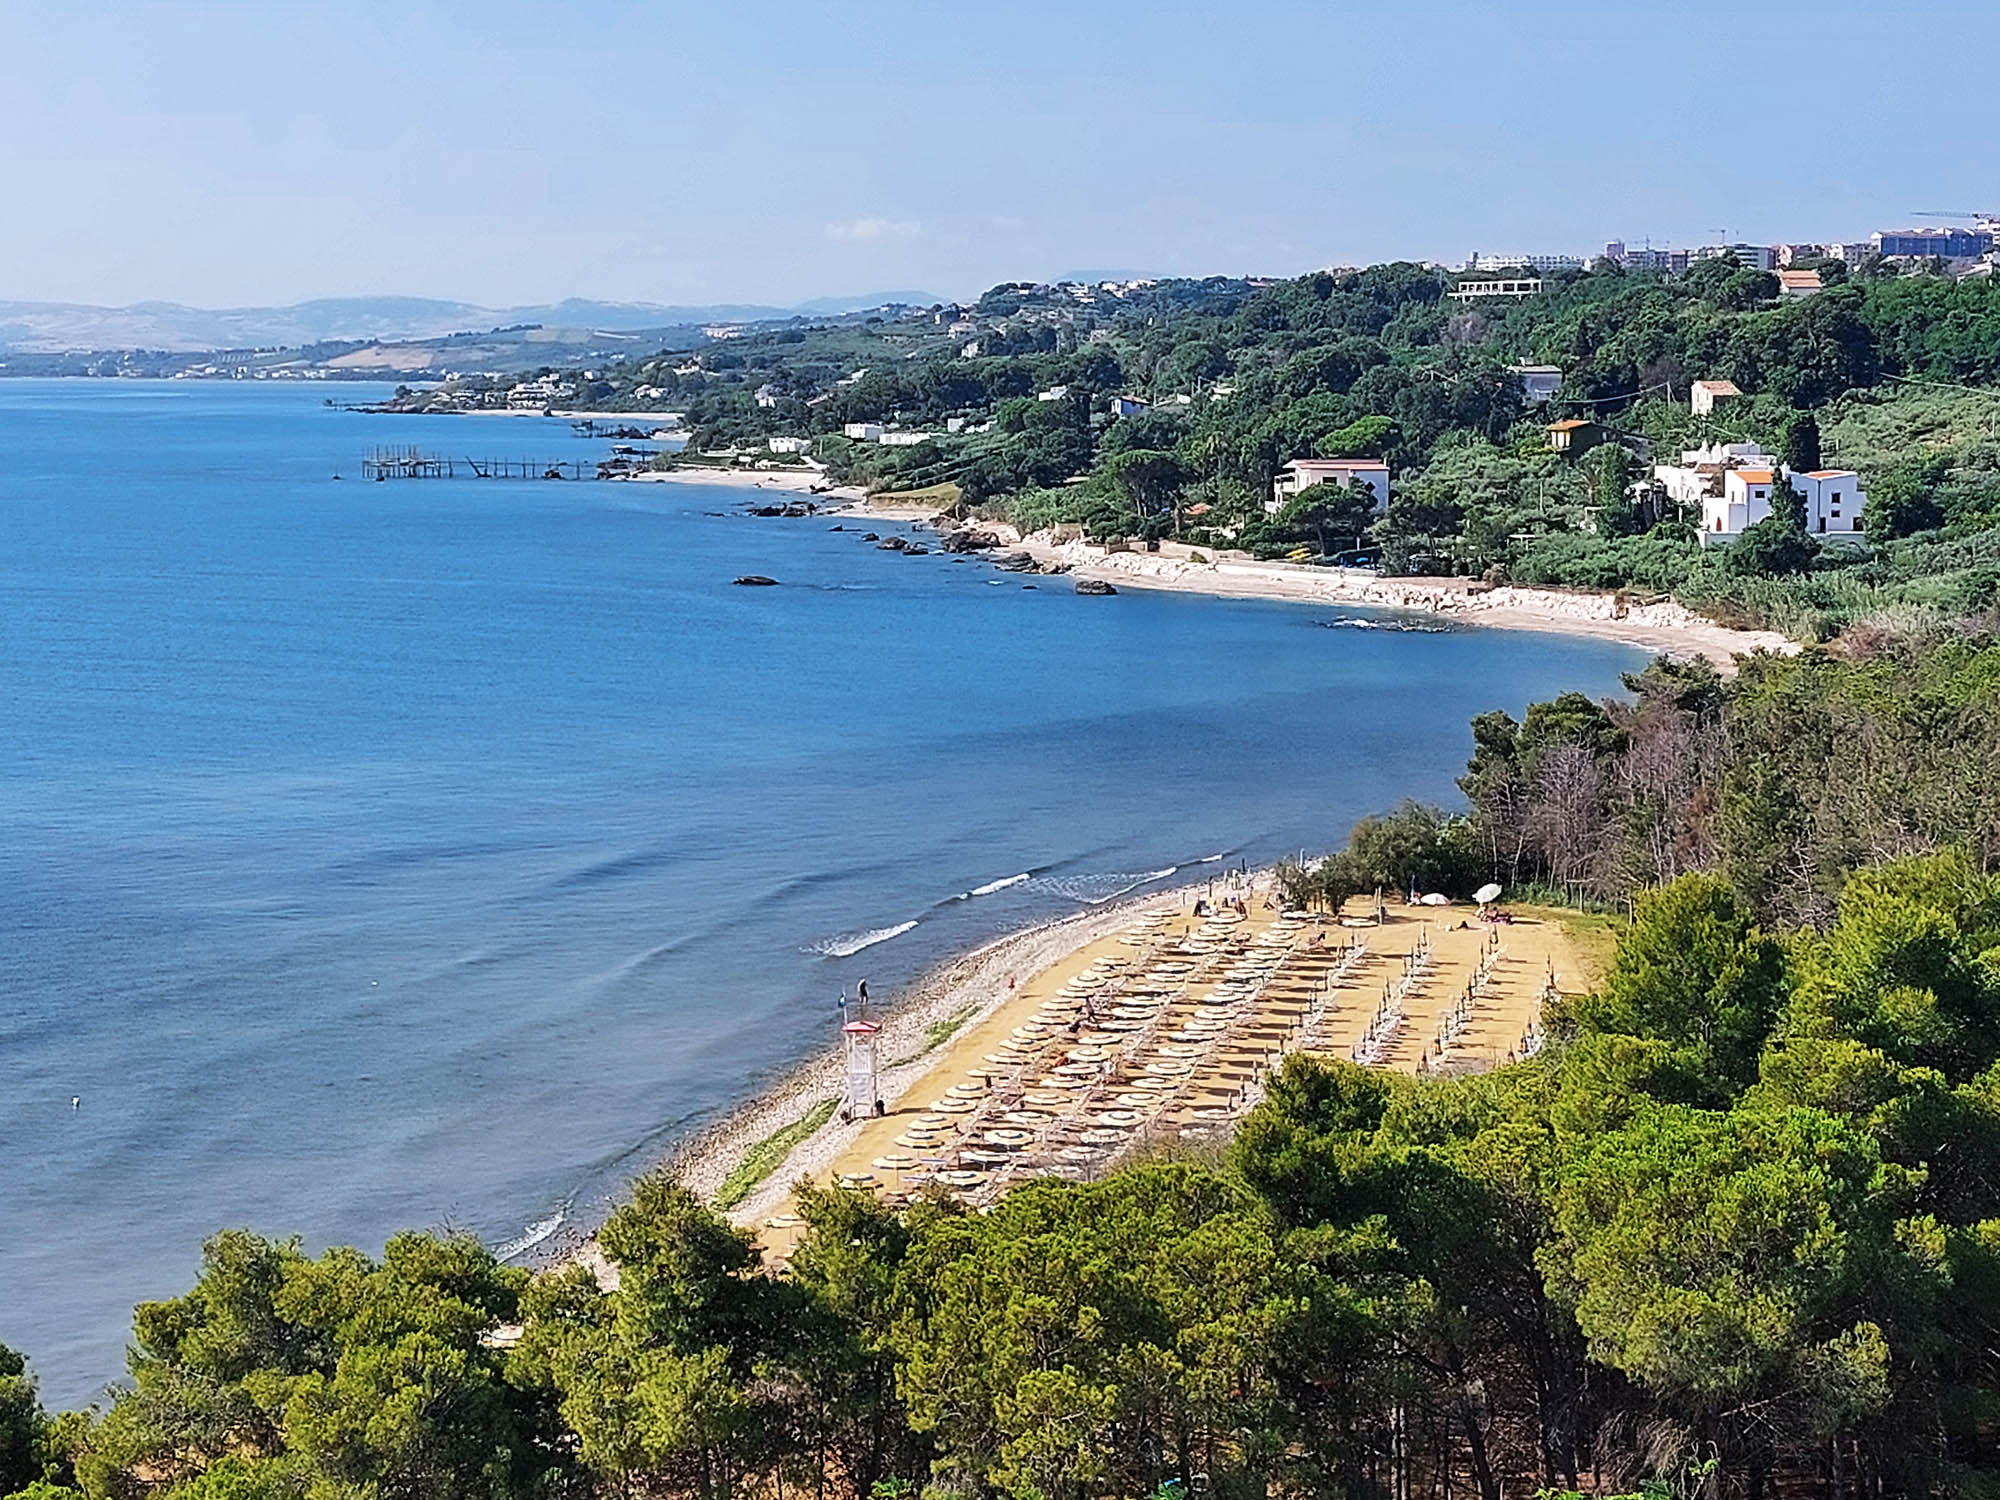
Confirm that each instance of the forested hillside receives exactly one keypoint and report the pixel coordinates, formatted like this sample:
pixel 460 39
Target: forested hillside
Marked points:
pixel 1891 374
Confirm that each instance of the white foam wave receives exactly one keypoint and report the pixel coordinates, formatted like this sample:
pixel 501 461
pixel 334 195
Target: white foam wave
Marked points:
pixel 1095 890
pixel 852 943
pixel 538 1231
pixel 1209 859
pixel 997 885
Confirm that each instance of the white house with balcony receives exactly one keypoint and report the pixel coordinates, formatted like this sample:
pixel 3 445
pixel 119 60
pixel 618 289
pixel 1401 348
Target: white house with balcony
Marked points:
pixel 1371 474
pixel 863 432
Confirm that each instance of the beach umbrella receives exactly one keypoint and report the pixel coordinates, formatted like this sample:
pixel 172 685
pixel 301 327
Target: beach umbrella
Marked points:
pixel 1437 898
pixel 1487 894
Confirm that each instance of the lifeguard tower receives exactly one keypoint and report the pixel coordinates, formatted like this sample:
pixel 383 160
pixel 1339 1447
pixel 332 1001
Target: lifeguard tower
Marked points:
pixel 858 1033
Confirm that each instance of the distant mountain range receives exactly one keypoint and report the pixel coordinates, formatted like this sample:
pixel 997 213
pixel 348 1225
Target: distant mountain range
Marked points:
pixel 54 327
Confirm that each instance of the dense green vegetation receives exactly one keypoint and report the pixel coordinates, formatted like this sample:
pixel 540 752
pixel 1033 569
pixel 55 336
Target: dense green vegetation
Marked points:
pixel 1734 1231
pixel 1897 376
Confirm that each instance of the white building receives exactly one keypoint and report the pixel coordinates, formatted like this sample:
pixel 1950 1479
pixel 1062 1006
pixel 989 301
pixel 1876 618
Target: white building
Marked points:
pixel 1126 406
pixel 767 396
pixel 1053 393
pixel 1833 500
pixel 791 445
pixel 1752 257
pixel 1538 382
pixel 1517 286
pixel 1793 285
pixel 1507 262
pixel 1704 394
pixel 863 432
pixel 1745 500
pixel 904 439
pixel 1699 482
pixel 1371 474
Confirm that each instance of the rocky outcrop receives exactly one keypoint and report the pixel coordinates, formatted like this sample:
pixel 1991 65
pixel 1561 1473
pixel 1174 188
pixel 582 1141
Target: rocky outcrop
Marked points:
pixel 756 581
pixel 1095 586
pixel 967 540
pixel 1014 562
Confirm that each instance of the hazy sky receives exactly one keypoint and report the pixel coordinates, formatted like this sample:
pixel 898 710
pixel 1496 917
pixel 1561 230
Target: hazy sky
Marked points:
pixel 753 150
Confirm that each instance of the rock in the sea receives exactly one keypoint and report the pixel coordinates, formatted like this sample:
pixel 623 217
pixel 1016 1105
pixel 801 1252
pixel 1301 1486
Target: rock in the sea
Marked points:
pixel 916 549
pixel 967 540
pixel 1014 562
pixel 895 544
pixel 757 581
pixel 871 536
pixel 1094 586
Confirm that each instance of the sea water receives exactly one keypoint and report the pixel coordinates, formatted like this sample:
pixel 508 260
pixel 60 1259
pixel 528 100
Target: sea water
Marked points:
pixel 436 853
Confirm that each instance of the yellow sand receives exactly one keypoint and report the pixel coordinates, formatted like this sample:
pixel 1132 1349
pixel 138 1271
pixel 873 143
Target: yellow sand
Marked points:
pixel 1535 952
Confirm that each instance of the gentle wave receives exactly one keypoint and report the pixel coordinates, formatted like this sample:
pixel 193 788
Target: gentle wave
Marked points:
pixel 998 885
pixel 1209 859
pixel 854 942
pixel 538 1231
pixel 1095 890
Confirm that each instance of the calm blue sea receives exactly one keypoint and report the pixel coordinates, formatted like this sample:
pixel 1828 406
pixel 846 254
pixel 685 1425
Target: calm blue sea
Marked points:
pixel 431 853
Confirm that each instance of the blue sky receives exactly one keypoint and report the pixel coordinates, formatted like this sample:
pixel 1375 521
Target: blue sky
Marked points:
pixel 776 150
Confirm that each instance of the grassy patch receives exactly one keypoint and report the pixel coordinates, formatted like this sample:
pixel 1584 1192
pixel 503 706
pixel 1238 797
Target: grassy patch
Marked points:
pixel 764 1158
pixel 1595 935
pixel 943 496
pixel 938 1033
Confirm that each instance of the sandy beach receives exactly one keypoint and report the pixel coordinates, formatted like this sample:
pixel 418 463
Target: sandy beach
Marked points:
pixel 1653 624
pixel 982 1037
pixel 809 482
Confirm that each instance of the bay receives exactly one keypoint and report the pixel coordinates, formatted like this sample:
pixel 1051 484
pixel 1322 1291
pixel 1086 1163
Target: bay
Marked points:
pixel 433 853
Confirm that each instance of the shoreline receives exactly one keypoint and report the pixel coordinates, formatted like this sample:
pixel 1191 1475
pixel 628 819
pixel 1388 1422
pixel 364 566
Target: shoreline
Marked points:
pixel 964 988
pixel 1658 625
pixel 1662 626
pixel 963 991
pixel 808 482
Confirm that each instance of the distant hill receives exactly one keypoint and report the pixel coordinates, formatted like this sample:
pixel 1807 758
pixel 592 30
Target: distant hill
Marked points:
pixel 54 327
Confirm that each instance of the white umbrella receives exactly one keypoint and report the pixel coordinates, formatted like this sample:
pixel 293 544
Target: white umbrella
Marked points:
pixel 1487 894
pixel 1436 898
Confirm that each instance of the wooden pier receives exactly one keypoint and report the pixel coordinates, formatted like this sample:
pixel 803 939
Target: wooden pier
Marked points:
pixel 414 463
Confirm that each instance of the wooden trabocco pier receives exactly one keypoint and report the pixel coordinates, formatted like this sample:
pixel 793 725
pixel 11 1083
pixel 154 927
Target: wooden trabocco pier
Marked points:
pixel 414 463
